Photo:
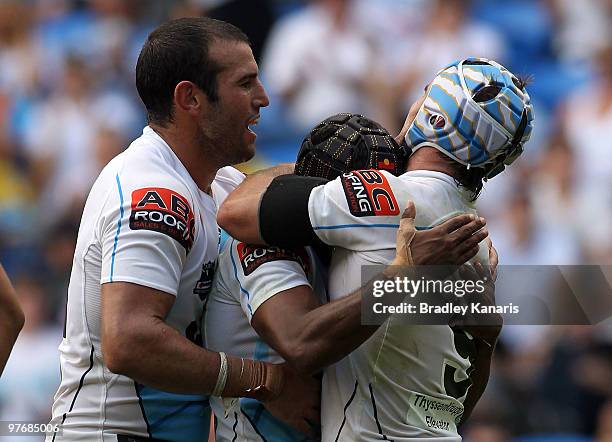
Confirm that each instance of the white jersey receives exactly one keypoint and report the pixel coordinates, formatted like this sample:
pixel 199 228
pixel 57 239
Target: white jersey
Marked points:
pixel 247 276
pixel 145 222
pixel 405 382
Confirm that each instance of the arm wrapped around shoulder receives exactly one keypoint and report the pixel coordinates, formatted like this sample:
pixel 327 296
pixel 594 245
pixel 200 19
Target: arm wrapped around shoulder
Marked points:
pixel 283 211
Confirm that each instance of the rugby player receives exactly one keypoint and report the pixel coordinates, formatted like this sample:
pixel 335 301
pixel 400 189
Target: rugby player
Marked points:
pixel 132 363
pixel 131 359
pixel 266 301
pixel 405 382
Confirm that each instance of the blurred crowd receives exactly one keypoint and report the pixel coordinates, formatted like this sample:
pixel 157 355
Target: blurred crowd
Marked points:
pixel 68 105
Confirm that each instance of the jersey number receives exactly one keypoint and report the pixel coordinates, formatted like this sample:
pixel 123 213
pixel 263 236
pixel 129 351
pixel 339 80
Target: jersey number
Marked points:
pixel 465 346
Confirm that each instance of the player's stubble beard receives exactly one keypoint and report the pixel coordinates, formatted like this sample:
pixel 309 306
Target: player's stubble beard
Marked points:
pixel 220 140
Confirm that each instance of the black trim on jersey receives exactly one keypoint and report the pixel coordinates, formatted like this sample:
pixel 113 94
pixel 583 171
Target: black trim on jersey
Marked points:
pixel 91 354
pixel 283 211
pixel 144 416
pixel 234 427
pixel 253 425
pixel 376 414
pixel 345 408
pixel 65 317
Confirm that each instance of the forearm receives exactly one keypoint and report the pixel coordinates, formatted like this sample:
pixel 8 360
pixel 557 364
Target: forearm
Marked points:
pixel 160 357
pixel 154 354
pixel 328 333
pixel 257 183
pixel 11 318
pixel 480 378
pixel 238 215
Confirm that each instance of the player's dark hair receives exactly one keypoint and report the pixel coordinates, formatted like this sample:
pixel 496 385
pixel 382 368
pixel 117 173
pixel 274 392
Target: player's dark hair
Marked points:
pixel 486 93
pixel 522 81
pixel 472 179
pixel 490 91
pixel 177 51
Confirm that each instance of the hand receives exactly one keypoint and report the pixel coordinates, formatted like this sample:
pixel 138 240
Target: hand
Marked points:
pixel 485 327
pixel 298 403
pixel 453 242
pixel 493 259
pixel 405 236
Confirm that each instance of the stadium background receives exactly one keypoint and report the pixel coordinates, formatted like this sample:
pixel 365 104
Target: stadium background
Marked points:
pixel 68 105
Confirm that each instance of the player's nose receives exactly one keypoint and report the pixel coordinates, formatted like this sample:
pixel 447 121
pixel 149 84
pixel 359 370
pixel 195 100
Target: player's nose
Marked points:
pixel 261 98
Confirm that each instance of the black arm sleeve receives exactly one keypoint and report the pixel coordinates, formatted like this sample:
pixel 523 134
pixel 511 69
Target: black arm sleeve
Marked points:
pixel 283 211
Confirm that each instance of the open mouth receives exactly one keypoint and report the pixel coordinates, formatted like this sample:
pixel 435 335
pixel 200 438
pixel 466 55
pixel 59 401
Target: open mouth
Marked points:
pixel 252 123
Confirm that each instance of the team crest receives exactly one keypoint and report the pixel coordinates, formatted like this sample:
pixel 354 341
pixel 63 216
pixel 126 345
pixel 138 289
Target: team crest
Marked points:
pixel 204 284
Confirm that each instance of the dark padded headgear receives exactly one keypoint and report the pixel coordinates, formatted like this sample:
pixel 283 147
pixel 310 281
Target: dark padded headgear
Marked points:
pixel 346 142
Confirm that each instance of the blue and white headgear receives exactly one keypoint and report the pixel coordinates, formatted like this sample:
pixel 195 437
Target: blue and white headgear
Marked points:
pixel 486 130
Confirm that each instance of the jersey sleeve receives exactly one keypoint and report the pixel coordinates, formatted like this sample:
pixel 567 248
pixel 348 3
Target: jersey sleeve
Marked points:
pixel 263 272
pixel 354 208
pixel 226 180
pixel 146 230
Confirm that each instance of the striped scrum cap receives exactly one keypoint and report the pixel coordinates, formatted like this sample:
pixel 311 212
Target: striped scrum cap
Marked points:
pixel 476 112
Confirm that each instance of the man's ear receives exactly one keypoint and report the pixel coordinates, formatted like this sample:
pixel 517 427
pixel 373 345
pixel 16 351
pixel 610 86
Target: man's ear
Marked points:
pixel 188 97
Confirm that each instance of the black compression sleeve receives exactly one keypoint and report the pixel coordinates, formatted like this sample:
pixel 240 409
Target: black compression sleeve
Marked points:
pixel 283 211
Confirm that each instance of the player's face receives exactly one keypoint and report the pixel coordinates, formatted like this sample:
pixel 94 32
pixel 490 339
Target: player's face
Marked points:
pixel 240 96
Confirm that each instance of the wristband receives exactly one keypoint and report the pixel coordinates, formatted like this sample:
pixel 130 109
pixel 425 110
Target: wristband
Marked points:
pixel 222 377
pixel 254 379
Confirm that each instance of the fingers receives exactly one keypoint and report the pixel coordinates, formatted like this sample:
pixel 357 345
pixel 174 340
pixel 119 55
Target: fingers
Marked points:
pixel 405 235
pixel 483 272
pixel 459 221
pixel 466 255
pixel 467 231
pixel 456 222
pixel 468 272
pixel 307 418
pixel 455 241
pixel 493 260
pixel 407 228
pixel 471 242
pixel 475 272
pixel 409 211
pixel 493 257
